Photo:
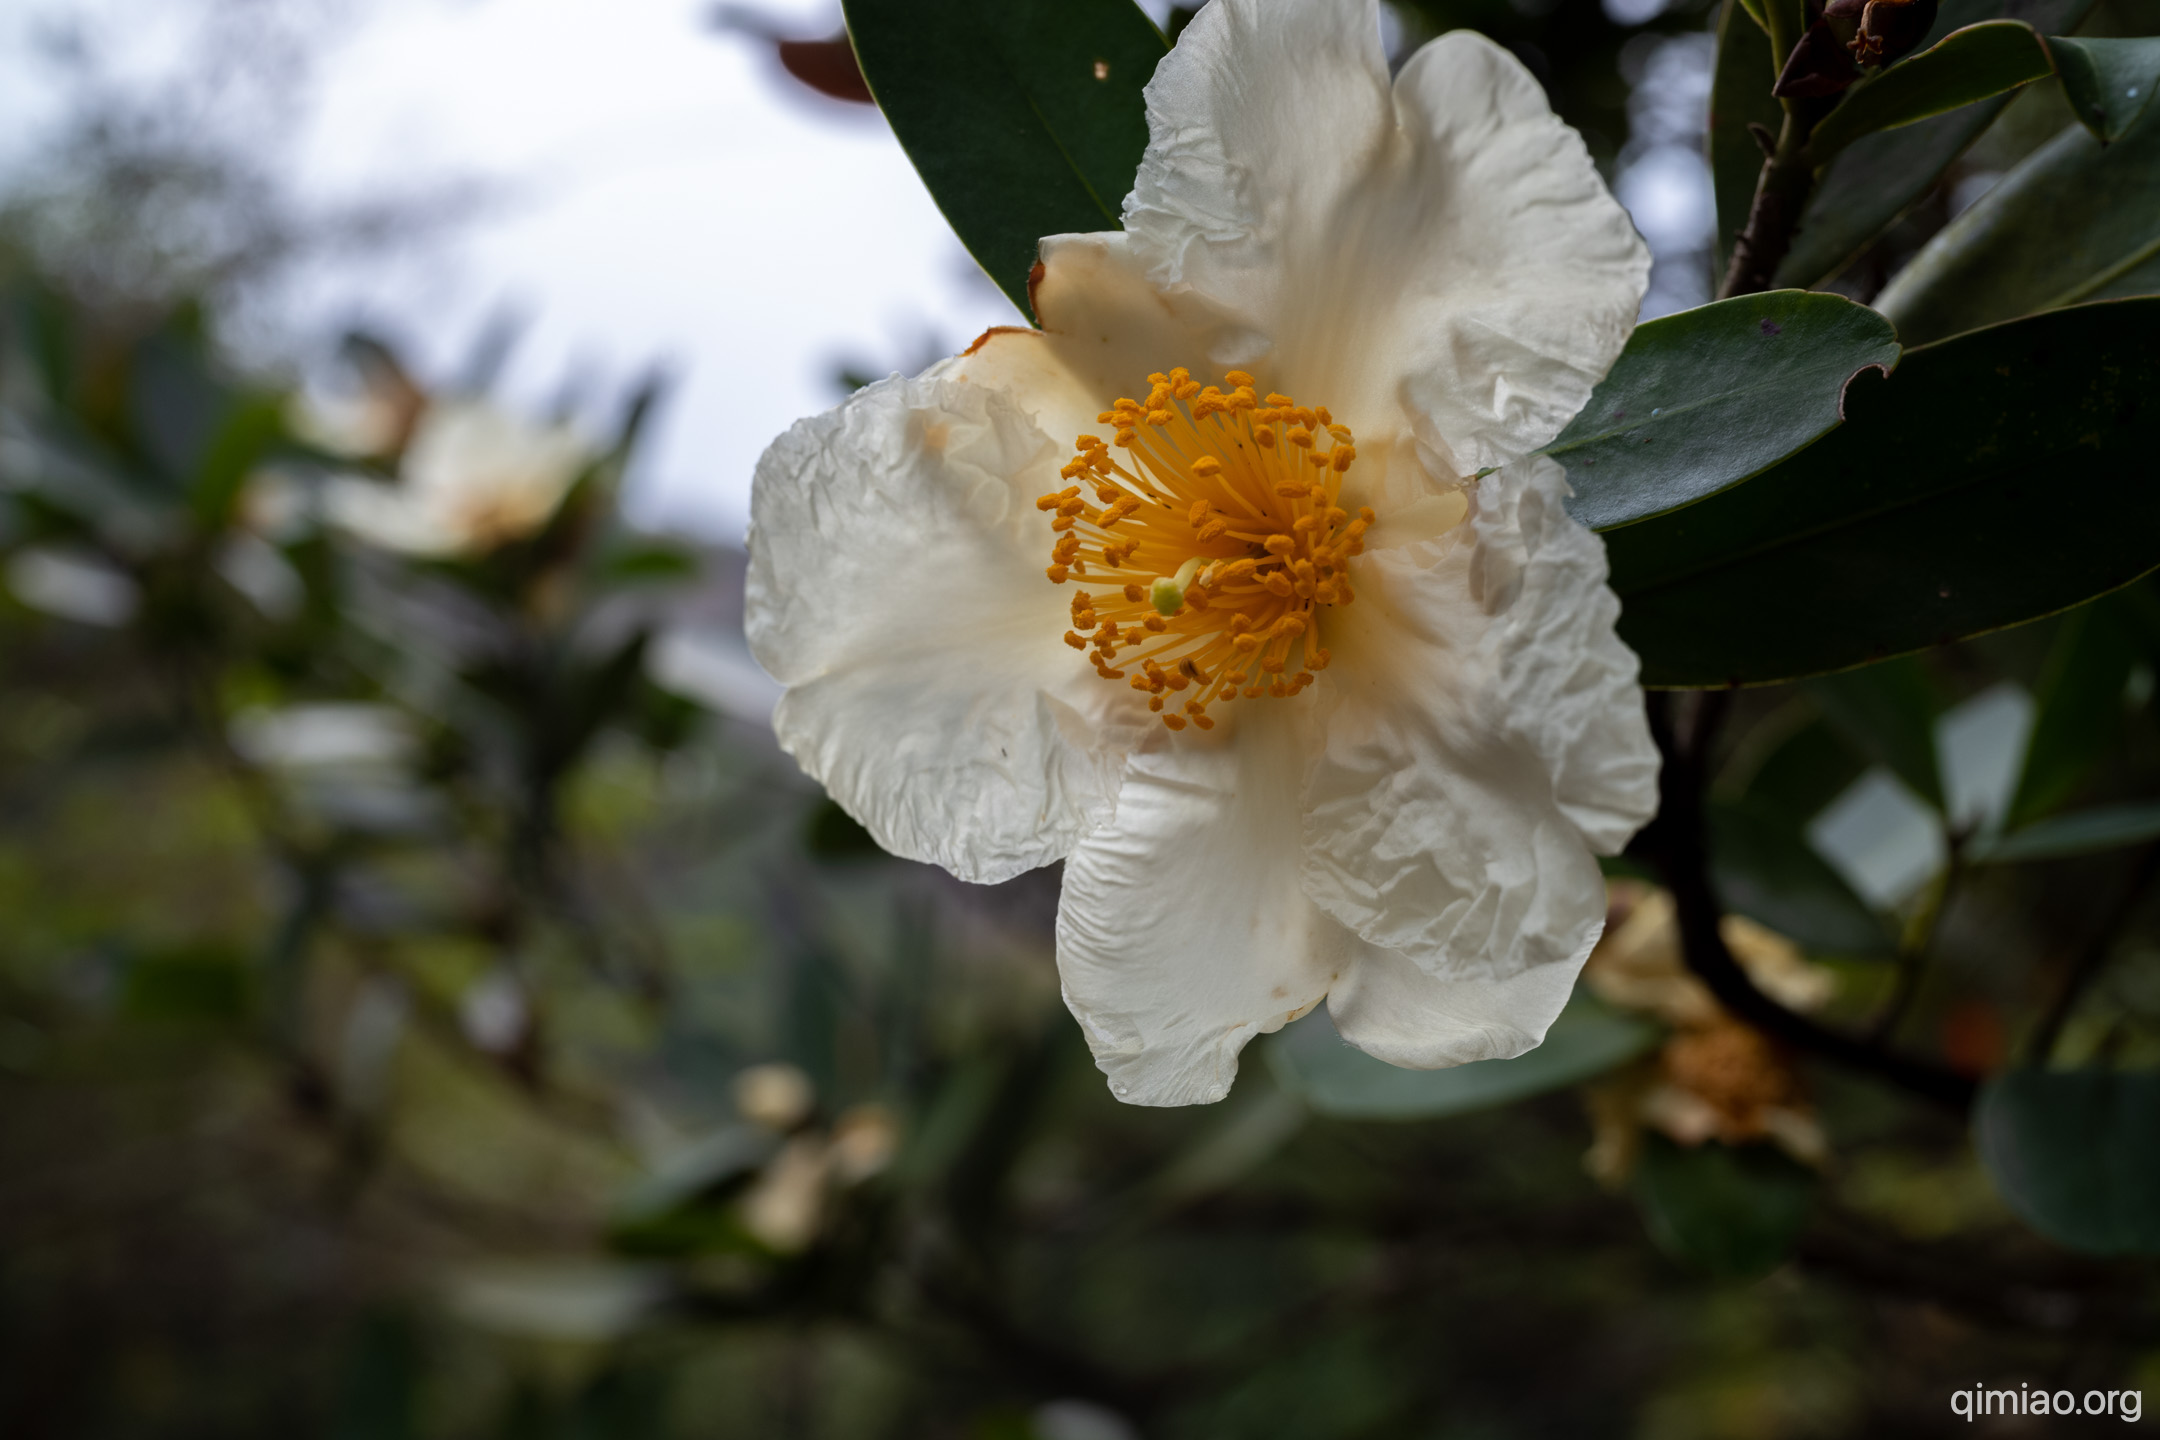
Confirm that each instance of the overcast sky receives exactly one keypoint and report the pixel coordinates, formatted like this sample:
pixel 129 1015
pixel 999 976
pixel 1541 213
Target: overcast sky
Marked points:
pixel 672 201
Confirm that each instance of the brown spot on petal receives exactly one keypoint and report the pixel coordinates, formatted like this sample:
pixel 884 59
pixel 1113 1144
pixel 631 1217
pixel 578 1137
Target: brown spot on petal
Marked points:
pixel 984 338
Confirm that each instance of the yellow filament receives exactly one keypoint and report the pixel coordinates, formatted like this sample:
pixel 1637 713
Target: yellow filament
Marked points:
pixel 1222 518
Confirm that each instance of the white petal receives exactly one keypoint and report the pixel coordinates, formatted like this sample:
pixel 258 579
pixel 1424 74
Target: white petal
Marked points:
pixel 1261 122
pixel 1182 932
pixel 896 588
pixel 1481 730
pixel 1570 683
pixel 1389 1007
pixel 1442 257
pixel 1105 329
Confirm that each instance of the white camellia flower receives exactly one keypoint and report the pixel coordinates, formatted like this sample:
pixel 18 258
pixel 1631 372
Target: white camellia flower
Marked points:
pixel 472 477
pixel 1349 716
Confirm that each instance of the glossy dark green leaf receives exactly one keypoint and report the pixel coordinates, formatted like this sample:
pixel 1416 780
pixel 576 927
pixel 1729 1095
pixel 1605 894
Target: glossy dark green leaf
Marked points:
pixel 2074 220
pixel 2108 82
pixel 1739 94
pixel 1888 710
pixel 2079 711
pixel 1966 65
pixel 1024 117
pixel 1935 512
pixel 1703 399
pixel 1877 178
pixel 2080 832
pixel 2077 1155
pixel 1732 1211
pixel 1311 1061
pixel 1766 870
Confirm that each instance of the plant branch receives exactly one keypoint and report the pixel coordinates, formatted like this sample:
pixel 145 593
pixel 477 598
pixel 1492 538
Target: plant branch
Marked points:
pixel 2092 958
pixel 1919 947
pixel 1781 197
pixel 1677 844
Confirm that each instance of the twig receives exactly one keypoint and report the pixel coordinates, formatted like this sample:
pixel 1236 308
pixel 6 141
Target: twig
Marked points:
pixel 1914 955
pixel 1676 843
pixel 2090 959
pixel 1781 196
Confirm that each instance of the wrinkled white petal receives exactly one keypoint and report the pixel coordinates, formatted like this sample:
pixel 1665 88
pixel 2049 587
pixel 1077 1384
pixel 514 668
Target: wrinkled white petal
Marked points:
pixel 1182 932
pixel 1481 732
pixel 1261 123
pixel 896 588
pixel 1441 255
pixel 1389 1007
pixel 1568 680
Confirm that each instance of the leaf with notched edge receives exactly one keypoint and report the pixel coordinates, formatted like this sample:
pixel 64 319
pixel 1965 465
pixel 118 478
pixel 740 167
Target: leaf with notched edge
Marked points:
pixel 1995 478
pixel 1703 399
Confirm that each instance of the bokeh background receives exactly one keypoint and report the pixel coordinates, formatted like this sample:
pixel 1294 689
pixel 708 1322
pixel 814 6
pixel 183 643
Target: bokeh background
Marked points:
pixel 431 1006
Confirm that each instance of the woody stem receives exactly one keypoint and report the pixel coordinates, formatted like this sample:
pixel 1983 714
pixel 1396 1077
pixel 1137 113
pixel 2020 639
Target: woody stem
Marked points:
pixel 1781 197
pixel 1676 843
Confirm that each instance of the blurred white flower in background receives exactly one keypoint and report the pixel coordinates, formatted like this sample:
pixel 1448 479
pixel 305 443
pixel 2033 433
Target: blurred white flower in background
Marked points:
pixel 473 477
pixel 776 1096
pixel 73 584
pixel 787 1204
pixel 1714 1078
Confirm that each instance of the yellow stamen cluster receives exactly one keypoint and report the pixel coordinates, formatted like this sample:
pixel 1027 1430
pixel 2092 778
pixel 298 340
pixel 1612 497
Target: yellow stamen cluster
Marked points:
pixel 1219 538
